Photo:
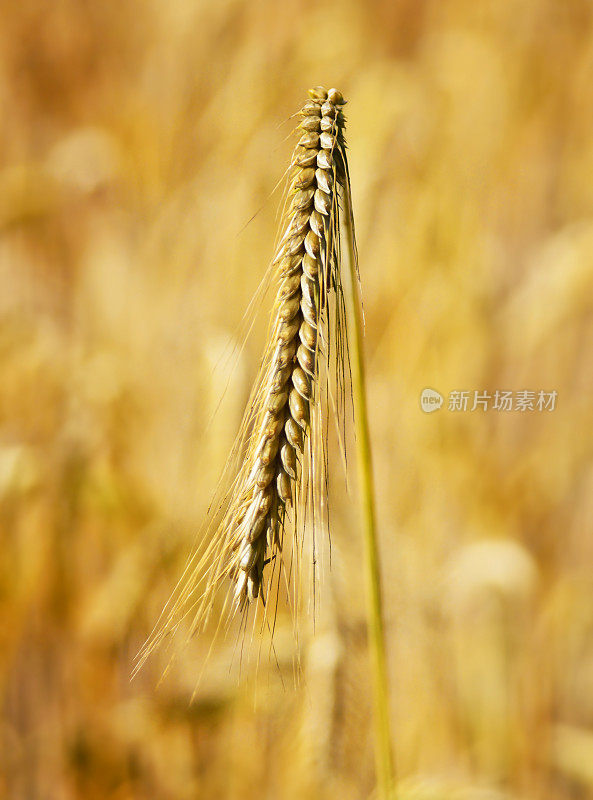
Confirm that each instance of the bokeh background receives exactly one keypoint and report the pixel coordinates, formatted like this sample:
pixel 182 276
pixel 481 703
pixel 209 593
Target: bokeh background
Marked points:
pixel 140 145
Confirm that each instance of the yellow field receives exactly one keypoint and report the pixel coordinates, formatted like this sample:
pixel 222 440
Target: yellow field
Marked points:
pixel 140 146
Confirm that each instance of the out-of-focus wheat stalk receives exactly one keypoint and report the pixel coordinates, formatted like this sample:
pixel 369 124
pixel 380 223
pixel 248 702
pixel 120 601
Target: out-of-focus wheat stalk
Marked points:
pixel 278 466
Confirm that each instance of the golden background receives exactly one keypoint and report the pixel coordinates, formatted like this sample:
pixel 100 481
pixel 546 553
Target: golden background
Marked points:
pixel 138 139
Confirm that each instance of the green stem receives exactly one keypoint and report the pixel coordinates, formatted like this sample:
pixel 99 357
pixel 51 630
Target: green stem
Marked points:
pixel 383 753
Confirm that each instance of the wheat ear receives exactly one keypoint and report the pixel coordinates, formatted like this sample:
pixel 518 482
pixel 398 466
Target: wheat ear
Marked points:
pixel 278 465
pixel 282 420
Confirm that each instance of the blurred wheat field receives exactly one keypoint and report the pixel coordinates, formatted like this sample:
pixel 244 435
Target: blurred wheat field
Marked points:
pixel 138 140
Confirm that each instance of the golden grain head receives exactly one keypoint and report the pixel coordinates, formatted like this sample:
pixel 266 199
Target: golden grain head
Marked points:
pixel 280 475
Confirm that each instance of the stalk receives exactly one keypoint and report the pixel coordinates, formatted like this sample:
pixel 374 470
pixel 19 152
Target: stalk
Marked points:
pixel 383 752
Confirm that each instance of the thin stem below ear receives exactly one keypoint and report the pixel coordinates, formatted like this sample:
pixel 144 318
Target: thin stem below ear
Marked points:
pixel 383 752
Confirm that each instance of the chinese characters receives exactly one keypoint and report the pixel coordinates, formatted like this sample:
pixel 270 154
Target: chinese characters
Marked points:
pixel 524 400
